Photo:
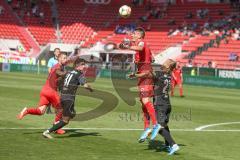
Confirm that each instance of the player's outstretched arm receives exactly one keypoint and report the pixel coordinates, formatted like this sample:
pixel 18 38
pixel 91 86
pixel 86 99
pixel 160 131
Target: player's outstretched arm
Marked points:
pixel 136 48
pixel 61 73
pixel 71 59
pixel 132 47
pixel 88 87
pixel 141 75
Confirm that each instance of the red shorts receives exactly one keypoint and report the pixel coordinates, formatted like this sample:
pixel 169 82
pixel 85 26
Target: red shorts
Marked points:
pixel 49 96
pixel 145 91
pixel 176 82
pixel 145 87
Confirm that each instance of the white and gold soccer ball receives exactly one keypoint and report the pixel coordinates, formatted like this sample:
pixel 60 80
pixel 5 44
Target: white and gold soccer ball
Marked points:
pixel 125 11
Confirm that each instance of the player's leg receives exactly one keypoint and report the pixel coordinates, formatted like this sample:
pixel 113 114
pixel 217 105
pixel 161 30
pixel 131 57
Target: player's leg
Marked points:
pixel 146 119
pixel 180 88
pixel 166 142
pixel 167 136
pixel 40 110
pixel 68 113
pixel 48 110
pixel 148 105
pixel 162 118
pixel 55 100
pixel 168 109
pixel 173 85
pixel 163 114
pixel 60 124
pixel 33 111
pixel 151 111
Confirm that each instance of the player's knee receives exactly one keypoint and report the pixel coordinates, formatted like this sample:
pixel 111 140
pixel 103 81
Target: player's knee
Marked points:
pixel 42 109
pixel 66 121
pixel 59 110
pixel 163 124
pixel 145 100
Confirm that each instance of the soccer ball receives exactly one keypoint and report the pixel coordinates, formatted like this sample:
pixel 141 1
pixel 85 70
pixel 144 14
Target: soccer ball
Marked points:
pixel 125 11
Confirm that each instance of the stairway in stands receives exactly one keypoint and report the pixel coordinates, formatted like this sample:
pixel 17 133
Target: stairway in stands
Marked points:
pixel 17 30
pixel 220 55
pixel 157 37
pixel 10 27
pixel 42 33
pixel 80 22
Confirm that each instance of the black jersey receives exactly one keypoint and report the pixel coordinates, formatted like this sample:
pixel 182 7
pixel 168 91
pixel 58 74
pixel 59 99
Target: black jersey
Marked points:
pixel 162 82
pixel 71 82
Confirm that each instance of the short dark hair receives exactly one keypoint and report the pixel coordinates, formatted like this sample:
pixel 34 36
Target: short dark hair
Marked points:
pixel 141 30
pixel 79 61
pixel 56 49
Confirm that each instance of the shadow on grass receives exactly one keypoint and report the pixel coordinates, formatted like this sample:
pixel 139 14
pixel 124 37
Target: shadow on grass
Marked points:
pixel 77 133
pixel 68 134
pixel 35 132
pixel 159 146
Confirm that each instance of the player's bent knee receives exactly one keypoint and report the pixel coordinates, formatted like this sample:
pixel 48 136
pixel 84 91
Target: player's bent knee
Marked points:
pixel 42 109
pixel 66 121
pixel 59 110
pixel 145 100
pixel 163 124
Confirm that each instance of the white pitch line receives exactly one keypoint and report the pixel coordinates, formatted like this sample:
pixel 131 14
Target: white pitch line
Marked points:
pixel 216 124
pixel 124 129
pixel 105 129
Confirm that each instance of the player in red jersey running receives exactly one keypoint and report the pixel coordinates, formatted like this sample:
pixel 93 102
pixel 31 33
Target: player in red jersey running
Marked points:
pixel 49 93
pixel 177 79
pixel 143 60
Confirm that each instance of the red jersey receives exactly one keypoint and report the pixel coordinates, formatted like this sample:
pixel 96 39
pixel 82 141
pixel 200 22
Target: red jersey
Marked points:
pixel 52 80
pixel 143 58
pixel 177 74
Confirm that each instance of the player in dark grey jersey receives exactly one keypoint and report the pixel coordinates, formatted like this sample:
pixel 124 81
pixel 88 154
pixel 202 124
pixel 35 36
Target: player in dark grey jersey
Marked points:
pixel 162 83
pixel 71 82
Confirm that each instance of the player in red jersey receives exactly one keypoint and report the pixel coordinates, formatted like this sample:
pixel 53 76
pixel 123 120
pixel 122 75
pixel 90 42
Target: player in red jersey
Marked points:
pixel 177 79
pixel 143 60
pixel 49 93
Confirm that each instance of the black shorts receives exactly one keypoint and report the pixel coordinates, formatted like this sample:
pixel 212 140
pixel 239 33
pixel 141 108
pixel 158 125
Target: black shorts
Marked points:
pixel 163 114
pixel 68 108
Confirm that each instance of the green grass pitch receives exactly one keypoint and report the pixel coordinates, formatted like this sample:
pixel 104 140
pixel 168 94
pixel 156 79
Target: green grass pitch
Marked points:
pixel 201 106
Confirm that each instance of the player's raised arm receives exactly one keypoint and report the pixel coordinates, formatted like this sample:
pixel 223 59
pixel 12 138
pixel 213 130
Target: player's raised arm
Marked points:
pixel 61 73
pixel 83 82
pixel 72 59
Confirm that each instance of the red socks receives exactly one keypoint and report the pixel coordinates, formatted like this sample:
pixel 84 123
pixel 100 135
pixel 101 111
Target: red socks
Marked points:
pixel 37 111
pixel 181 91
pixel 151 112
pixel 34 111
pixel 58 116
pixel 146 117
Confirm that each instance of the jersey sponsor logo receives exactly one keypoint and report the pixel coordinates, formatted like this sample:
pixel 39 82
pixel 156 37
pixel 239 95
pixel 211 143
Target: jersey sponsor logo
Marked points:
pixel 97 1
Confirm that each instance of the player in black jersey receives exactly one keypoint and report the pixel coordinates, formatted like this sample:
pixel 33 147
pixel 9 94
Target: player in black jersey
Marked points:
pixel 71 82
pixel 162 83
